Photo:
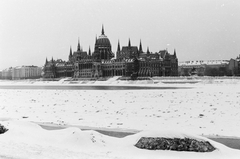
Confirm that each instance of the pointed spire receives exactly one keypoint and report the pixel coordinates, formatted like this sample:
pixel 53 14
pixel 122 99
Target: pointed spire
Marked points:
pixel 78 47
pixel 96 39
pixel 70 54
pixel 46 60
pixel 148 52
pixel 140 47
pixel 52 59
pixel 89 51
pixel 118 48
pixel 102 30
pixel 175 55
pixel 129 43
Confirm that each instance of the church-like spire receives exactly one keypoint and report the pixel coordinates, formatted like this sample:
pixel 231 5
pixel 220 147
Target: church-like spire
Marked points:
pixel 96 39
pixel 102 30
pixel 140 47
pixel 148 52
pixel 129 43
pixel 78 47
pixel 70 54
pixel 89 51
pixel 175 55
pixel 118 48
pixel 46 61
pixel 52 59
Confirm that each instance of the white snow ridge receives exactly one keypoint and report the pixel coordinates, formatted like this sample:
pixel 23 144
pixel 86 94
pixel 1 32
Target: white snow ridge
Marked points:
pixel 28 140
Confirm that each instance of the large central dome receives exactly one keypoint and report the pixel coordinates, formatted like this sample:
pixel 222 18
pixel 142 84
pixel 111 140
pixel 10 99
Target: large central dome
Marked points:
pixel 103 40
pixel 103 48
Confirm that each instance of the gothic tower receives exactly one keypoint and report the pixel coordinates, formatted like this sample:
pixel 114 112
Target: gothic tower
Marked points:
pixel 118 50
pixel 140 47
pixel 148 52
pixel 70 55
pixel 78 47
pixel 175 55
pixel 129 43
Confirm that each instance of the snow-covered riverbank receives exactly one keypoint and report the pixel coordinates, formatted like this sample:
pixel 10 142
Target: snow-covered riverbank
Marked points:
pixel 205 109
pixel 28 140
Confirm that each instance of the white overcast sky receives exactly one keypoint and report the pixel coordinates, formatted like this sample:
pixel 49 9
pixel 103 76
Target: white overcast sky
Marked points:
pixel 31 30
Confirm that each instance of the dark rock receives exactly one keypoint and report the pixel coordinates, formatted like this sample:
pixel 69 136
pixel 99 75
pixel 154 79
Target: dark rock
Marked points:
pixel 175 144
pixel 3 129
pixel 201 115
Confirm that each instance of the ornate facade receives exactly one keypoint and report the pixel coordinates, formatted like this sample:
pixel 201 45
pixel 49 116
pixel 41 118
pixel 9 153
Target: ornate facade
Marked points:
pixel 130 61
pixel 58 68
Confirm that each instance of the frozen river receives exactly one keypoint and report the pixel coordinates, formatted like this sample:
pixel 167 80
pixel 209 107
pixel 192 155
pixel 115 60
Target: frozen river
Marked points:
pixel 205 109
pixel 89 87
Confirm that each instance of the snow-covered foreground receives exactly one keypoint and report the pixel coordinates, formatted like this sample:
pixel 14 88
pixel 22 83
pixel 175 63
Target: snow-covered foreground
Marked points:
pixel 27 140
pixel 205 109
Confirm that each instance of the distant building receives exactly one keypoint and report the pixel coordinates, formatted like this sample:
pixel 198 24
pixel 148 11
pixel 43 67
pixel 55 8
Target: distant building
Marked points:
pixel 130 61
pixel 26 72
pixel 203 68
pixel 7 73
pixel 234 66
pixel 22 72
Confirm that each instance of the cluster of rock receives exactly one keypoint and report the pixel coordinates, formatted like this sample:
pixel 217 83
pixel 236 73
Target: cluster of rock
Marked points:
pixel 174 144
pixel 2 129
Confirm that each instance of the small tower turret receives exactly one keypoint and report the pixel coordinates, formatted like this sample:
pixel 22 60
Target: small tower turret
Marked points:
pixel 46 61
pixel 89 51
pixel 175 55
pixel 70 54
pixel 102 30
pixel 140 47
pixel 78 47
pixel 129 43
pixel 148 52
pixel 118 48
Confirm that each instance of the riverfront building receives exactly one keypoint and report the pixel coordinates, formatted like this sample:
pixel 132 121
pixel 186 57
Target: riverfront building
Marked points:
pixel 130 61
pixel 234 66
pixel 210 67
pixel 22 72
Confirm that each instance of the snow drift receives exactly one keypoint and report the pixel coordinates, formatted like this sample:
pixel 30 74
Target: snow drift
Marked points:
pixel 29 140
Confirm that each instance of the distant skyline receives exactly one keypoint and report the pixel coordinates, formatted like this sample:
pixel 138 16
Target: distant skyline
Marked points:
pixel 31 30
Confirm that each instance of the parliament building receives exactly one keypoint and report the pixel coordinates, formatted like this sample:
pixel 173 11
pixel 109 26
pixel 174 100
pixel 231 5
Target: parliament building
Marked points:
pixel 128 61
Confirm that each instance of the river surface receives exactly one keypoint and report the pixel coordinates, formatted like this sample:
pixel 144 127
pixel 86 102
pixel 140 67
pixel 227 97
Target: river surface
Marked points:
pixel 89 87
pixel 230 142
